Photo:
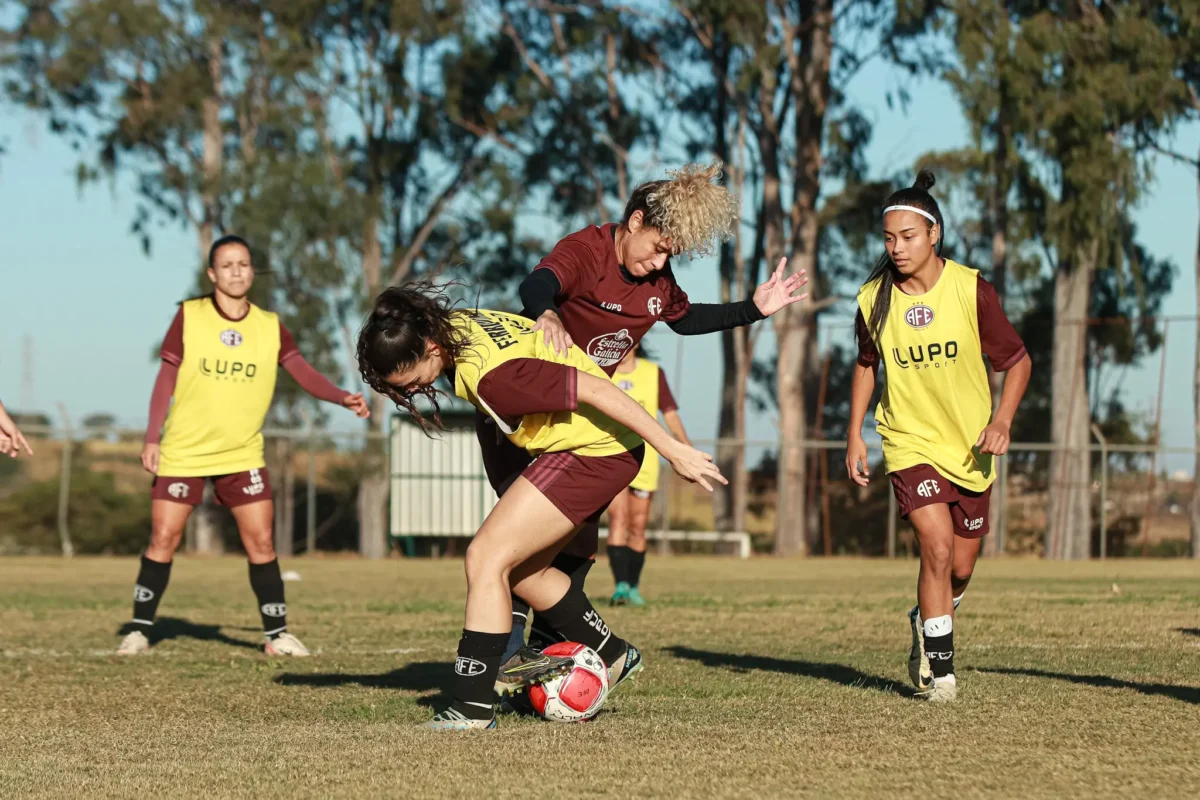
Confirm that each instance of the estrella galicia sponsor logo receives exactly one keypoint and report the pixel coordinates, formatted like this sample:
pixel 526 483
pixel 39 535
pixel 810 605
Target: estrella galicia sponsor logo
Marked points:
pixel 225 369
pixel 231 338
pixel 274 609
pixel 924 356
pixel 141 594
pixel 919 317
pixel 468 667
pixel 609 348
pixel 178 490
pixel 928 488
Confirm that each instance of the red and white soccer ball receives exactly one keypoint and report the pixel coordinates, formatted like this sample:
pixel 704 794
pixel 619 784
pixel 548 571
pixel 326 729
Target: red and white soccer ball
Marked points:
pixel 577 695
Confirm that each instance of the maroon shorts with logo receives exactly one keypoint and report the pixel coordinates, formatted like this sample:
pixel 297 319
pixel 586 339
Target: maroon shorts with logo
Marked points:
pixel 237 489
pixel 581 487
pixel 922 485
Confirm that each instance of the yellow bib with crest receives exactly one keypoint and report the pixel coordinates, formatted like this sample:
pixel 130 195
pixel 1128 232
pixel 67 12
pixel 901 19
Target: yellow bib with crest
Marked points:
pixel 642 385
pixel 936 399
pixel 223 392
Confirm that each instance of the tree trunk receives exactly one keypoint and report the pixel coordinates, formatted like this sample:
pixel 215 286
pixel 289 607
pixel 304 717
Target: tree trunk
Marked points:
pixel 373 490
pixel 795 326
pixel 1195 549
pixel 999 217
pixel 204 535
pixel 1069 528
pixel 285 499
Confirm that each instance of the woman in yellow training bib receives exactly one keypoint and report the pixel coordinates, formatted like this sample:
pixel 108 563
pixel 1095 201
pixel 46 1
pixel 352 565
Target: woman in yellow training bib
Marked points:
pixel 932 321
pixel 219 361
pixel 586 438
pixel 644 381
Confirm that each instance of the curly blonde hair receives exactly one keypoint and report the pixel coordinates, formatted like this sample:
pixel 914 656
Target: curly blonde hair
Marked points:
pixel 690 208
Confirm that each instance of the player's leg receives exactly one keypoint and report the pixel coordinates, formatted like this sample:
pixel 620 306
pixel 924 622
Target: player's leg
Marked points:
pixel 521 526
pixel 248 495
pixel 617 546
pixel 971 523
pixel 172 501
pixel 639 517
pixel 934 527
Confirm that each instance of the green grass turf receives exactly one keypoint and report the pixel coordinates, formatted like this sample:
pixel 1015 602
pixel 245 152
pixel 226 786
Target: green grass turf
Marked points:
pixel 764 678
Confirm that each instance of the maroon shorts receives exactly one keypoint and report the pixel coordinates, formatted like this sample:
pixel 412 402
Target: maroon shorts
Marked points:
pixel 582 486
pixel 922 485
pixel 233 490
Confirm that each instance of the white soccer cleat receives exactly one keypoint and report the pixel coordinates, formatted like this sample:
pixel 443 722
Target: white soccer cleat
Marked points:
pixel 943 690
pixel 286 645
pixel 918 663
pixel 133 644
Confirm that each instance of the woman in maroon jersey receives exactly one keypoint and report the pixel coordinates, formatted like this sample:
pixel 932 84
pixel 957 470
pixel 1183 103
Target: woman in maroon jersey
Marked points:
pixel 602 288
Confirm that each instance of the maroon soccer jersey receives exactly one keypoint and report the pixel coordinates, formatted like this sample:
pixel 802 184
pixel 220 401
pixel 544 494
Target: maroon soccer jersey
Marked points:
pixel 606 311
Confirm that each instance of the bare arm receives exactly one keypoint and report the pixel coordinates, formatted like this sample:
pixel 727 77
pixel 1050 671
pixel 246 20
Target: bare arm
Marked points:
pixel 675 426
pixel 997 436
pixel 604 396
pixel 861 388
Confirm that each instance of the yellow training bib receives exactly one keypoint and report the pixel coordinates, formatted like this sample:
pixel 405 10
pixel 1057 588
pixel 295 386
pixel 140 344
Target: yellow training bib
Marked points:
pixel 642 385
pixel 224 389
pixel 497 338
pixel 936 400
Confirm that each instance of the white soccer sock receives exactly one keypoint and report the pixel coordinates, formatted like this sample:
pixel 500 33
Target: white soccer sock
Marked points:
pixel 958 600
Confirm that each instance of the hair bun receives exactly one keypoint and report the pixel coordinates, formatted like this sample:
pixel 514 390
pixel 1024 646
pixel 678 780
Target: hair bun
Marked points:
pixel 925 180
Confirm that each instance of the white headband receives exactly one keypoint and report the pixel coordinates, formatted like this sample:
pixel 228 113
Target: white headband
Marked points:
pixel 924 214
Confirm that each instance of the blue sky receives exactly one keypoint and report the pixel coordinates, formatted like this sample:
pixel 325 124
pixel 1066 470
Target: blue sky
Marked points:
pixel 93 304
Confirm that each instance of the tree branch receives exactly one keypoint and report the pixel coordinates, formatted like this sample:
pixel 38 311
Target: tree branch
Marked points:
pixel 511 31
pixel 403 265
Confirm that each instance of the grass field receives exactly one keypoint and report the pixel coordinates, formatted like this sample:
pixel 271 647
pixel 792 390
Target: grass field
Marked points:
pixel 764 679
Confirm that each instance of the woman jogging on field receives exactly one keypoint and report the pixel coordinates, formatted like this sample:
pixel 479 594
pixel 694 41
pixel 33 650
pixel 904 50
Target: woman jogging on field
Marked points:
pixel 219 362
pixel 931 321
pixel 602 288
pixel 645 382
pixel 587 438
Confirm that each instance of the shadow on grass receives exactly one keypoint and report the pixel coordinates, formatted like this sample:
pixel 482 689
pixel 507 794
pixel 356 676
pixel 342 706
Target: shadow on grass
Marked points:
pixel 166 628
pixel 1189 631
pixel 421 676
pixel 1186 694
pixel 834 673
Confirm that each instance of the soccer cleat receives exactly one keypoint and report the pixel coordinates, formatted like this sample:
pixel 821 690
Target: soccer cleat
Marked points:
pixel 635 598
pixel 133 644
pixel 624 668
pixel 941 690
pixel 620 595
pixel 451 720
pixel 918 663
pixel 529 667
pixel 286 645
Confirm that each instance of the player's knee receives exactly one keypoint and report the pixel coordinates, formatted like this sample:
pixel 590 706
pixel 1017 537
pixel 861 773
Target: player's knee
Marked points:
pixel 959 578
pixel 164 541
pixel 483 563
pixel 637 538
pixel 937 555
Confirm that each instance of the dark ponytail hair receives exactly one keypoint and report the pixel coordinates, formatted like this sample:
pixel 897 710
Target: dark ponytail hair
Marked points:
pixel 394 336
pixel 225 241
pixel 642 351
pixel 917 196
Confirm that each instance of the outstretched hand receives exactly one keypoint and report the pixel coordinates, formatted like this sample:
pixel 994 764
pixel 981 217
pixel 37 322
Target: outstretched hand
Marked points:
pixel 778 292
pixel 358 405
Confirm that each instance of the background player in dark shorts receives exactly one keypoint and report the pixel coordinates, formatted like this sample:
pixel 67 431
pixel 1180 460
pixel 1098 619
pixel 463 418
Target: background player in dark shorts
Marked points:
pixel 602 288
pixel 932 322
pixel 222 383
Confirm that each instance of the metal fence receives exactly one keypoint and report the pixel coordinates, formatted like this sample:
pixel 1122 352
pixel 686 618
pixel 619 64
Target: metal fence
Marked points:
pixel 85 491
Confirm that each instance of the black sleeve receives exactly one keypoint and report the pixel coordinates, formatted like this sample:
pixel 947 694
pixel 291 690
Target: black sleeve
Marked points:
pixel 712 317
pixel 538 291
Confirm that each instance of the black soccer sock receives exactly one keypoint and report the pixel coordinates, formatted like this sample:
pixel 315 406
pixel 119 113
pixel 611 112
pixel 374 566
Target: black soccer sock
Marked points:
pixel 151 583
pixel 475 672
pixel 939 645
pixel 636 562
pixel 516 637
pixel 618 560
pixel 574 618
pixel 267 584
pixel 541 633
